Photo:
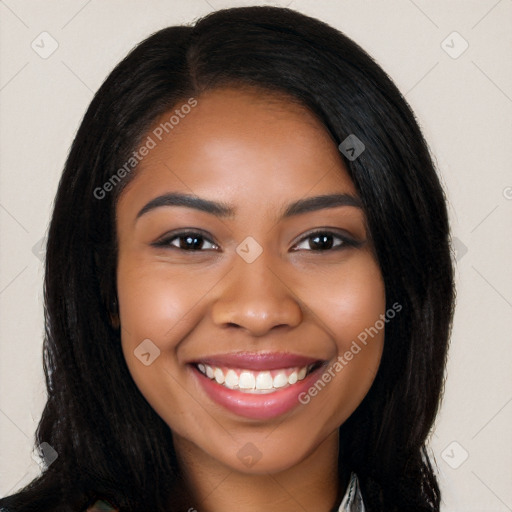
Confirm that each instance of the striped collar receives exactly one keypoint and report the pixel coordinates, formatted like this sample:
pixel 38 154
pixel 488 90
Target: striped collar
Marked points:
pixel 353 500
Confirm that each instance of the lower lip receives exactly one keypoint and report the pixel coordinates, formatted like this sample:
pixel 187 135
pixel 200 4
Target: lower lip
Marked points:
pixel 257 406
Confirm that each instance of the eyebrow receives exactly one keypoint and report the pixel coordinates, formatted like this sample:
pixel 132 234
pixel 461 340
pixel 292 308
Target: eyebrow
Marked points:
pixel 224 210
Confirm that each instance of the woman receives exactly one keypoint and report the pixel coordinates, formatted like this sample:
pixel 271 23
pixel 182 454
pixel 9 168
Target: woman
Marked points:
pixel 248 288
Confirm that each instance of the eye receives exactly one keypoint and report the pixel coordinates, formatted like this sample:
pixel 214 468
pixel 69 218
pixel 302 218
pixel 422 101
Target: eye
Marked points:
pixel 191 241
pixel 318 241
pixel 323 241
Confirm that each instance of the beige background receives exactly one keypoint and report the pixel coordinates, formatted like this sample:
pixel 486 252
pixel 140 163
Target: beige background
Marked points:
pixel 463 102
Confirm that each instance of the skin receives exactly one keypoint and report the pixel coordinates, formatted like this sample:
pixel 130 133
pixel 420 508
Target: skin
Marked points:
pixel 258 153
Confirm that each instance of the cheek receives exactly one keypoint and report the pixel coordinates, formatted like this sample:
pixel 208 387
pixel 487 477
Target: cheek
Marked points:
pixel 155 303
pixel 158 305
pixel 350 299
pixel 351 305
pixel 152 306
pixel 359 309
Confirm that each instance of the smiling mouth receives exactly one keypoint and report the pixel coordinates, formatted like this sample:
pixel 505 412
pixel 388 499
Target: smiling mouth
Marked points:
pixel 256 382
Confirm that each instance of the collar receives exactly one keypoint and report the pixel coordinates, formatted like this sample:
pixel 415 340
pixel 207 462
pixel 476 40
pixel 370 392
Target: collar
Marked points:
pixel 353 500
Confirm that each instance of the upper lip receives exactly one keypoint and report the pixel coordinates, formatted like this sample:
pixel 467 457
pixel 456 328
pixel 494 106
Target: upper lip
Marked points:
pixel 258 360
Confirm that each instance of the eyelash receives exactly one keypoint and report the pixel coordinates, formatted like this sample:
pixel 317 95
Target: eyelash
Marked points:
pixel 345 241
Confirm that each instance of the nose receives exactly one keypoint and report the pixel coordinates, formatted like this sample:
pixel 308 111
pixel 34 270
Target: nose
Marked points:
pixel 256 297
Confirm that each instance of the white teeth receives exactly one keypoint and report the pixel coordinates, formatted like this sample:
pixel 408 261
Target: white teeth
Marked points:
pixel 280 380
pixel 219 376
pixel 231 379
pixel 264 380
pixel 246 380
pixel 254 381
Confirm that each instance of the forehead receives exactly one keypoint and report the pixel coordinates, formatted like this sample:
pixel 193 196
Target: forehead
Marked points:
pixel 243 144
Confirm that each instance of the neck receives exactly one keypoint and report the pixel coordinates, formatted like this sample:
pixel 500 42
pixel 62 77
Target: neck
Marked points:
pixel 313 484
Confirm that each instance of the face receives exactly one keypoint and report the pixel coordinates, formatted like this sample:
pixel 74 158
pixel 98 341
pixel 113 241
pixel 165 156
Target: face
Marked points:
pixel 239 313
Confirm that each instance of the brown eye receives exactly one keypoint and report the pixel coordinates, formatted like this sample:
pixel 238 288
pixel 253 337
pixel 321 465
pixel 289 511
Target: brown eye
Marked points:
pixel 186 241
pixel 322 241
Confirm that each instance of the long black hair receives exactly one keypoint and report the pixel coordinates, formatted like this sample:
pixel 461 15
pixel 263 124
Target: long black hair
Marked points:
pixel 111 444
